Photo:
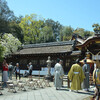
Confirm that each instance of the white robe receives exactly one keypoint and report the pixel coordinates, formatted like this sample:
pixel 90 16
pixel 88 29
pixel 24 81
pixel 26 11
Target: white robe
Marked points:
pixel 58 75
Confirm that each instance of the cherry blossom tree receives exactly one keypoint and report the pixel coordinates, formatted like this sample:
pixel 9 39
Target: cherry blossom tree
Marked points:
pixel 10 44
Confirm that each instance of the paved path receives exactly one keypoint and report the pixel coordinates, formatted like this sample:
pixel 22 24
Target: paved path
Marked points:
pixel 47 93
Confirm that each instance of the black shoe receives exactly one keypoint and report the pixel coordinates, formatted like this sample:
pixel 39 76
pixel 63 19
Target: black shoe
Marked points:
pixel 1 94
pixel 87 90
pixel 56 88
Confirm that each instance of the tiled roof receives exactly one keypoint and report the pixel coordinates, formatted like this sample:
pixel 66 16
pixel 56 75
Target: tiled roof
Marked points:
pixel 43 48
pixel 92 38
pixel 47 44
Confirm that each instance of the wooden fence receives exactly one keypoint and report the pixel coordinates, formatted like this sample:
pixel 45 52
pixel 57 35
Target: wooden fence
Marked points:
pixel 66 79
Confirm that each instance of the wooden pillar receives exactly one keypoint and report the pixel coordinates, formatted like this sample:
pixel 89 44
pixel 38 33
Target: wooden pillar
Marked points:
pixel 38 63
pixel 64 63
pixel 68 82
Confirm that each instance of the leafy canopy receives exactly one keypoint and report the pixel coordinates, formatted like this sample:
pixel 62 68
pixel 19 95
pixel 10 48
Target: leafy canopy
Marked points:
pixel 31 27
pixel 10 44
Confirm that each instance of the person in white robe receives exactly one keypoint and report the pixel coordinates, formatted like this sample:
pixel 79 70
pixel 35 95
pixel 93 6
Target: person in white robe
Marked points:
pixel 58 77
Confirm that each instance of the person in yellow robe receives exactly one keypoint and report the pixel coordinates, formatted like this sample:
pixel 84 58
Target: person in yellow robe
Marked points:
pixel 96 79
pixel 76 76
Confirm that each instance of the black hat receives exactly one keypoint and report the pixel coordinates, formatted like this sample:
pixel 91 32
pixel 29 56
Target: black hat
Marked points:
pixel 85 61
pixel 58 60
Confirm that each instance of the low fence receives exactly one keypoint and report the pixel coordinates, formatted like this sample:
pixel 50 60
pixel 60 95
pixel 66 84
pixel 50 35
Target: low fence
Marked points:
pixel 37 72
pixel 66 79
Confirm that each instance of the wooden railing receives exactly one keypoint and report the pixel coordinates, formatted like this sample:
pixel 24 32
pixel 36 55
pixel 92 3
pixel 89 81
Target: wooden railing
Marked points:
pixel 66 79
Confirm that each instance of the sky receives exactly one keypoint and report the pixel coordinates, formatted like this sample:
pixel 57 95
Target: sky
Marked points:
pixel 74 13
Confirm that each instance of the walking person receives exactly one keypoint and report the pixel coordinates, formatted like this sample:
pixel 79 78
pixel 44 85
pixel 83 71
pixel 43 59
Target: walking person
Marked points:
pixel 76 75
pixel 30 67
pixel 10 70
pixel 17 70
pixel 86 70
pixel 58 78
pixel 5 73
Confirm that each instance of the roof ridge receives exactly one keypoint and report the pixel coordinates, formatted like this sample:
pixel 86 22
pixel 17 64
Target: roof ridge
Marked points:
pixel 48 44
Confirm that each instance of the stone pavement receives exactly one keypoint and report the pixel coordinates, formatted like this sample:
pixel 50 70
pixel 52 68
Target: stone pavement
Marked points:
pixel 47 93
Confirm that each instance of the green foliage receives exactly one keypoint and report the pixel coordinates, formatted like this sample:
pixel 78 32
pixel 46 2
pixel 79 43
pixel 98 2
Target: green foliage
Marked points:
pixel 88 34
pixel 79 31
pixel 16 30
pixel 83 33
pixel 96 27
pixel 10 44
pixel 31 27
pixel 5 16
pixel 66 33
pixel 1 52
pixel 34 29
pixel 46 34
pixel 56 27
pixel 9 22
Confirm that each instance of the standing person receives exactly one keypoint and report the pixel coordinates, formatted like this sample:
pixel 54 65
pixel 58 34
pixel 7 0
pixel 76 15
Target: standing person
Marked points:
pixel 5 73
pixel 58 78
pixel 96 79
pixel 17 70
pixel 30 67
pixel 10 69
pixel 76 75
pixel 86 70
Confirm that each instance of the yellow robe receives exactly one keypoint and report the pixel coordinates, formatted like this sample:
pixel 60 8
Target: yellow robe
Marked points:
pixel 96 77
pixel 77 76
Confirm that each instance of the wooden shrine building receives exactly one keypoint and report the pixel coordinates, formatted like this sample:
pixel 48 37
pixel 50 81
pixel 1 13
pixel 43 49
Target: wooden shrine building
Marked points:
pixel 68 51
pixel 38 55
pixel 90 45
